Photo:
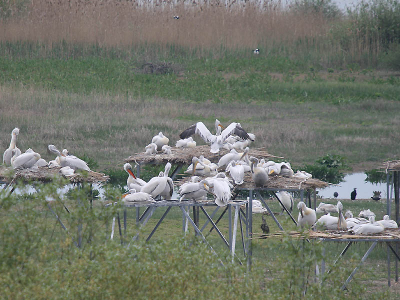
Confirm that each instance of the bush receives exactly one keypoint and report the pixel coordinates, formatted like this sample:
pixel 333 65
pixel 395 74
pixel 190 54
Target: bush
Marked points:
pixel 327 168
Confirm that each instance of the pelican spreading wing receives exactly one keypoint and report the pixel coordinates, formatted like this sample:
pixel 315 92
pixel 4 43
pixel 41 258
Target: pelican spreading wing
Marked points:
pixel 216 141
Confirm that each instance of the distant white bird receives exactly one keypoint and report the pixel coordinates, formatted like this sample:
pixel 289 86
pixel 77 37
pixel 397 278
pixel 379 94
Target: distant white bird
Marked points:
pixel 333 223
pixel 387 223
pixel 286 199
pixel 366 213
pixel 151 149
pixel 166 149
pixel 134 196
pixel 216 141
pixel 302 175
pixel 260 176
pixel 186 143
pixel 132 181
pixel 25 160
pixel 12 150
pixel 307 216
pixel 160 186
pixel 194 190
pixel 160 140
pixel 236 171
pixel 370 228
pixel 71 161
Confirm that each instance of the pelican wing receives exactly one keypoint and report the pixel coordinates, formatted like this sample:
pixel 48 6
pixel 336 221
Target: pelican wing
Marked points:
pixel 234 128
pixel 155 186
pixel 200 129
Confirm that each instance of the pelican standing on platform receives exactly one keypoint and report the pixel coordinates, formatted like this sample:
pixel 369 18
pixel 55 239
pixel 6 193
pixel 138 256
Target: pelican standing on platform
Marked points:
pixel 73 162
pixel 221 188
pixel 260 176
pixel 132 181
pixel 236 171
pixel 194 190
pixel 216 141
pixel 12 150
pixel 307 216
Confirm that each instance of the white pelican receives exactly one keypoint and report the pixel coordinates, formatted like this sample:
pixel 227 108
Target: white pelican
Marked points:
pixel 41 162
pixel 237 143
pixel 134 196
pixel 307 216
pixel 217 141
pixel 260 176
pixel 132 181
pixel 366 213
pixel 221 188
pixel 201 168
pixel 67 171
pixel 331 223
pixel 71 161
pixel 286 199
pixel 25 160
pixel 236 171
pixel 151 149
pixel 370 228
pixel 227 158
pixel 352 222
pixel 257 207
pixel 194 190
pixel 324 208
pixel 387 223
pixel 161 185
pixel 12 149
pixel 282 168
pixel 302 175
pixel 160 140
pixel 166 149
pixel 186 143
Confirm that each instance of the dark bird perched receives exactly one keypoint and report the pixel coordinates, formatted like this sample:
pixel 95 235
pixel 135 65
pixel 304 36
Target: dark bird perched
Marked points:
pixel 219 138
pixel 256 51
pixel 353 194
pixel 264 226
pixel 335 194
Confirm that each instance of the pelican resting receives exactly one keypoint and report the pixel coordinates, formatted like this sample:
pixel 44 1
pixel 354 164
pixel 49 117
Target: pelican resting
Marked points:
pixel 67 171
pixel 12 150
pixel 160 140
pixel 260 176
pixel 370 228
pixel 134 196
pixel 132 181
pixel 201 167
pixel 333 223
pixel 25 160
pixel 186 143
pixel 232 155
pixel 387 223
pixel 257 207
pixel 162 186
pixel 352 222
pixel 216 141
pixel 73 162
pixel 366 213
pixel 41 162
pixel 307 216
pixel 286 199
pixel 236 171
pixel 151 149
pixel 166 149
pixel 194 190
pixel 302 175
pixel 324 208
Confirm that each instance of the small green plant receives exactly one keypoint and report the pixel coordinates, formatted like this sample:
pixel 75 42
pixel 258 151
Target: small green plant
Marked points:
pixel 328 168
pixel 330 70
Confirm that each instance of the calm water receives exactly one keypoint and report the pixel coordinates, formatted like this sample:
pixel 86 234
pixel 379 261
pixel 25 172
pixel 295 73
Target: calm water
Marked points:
pixel 351 181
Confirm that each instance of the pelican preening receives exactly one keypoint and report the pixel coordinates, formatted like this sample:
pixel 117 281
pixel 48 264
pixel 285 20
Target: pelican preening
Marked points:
pixel 73 162
pixel 12 150
pixel 387 223
pixel 221 188
pixel 132 181
pixel 216 141
pixel 307 216
pixel 257 207
pixel 162 186
pixel 160 140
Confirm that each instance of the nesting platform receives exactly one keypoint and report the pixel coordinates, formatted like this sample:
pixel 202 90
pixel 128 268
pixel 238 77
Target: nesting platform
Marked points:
pixel 184 155
pixel 393 165
pixel 45 174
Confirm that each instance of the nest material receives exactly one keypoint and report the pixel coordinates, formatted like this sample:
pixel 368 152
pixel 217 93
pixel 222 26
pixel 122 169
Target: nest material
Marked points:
pixel 387 234
pixel 393 165
pixel 44 174
pixel 185 155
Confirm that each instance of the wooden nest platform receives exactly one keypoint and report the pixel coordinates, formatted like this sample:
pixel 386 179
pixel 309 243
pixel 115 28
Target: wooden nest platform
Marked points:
pixel 183 156
pixel 45 174
pixel 393 165
pixel 335 235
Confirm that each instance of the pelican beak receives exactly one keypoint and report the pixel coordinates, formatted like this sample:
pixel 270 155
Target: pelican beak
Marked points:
pixel 194 168
pixel 221 126
pixel 131 173
pixel 301 213
pixel 271 172
pixel 244 153
pixel 206 187
pixel 124 195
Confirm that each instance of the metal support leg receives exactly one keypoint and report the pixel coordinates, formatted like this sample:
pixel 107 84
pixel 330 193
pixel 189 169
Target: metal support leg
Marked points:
pixel 119 228
pixel 270 211
pixel 233 244
pixel 341 254
pixel 388 262
pixel 208 219
pixel 214 226
pixel 125 216
pixel 387 192
pixel 146 219
pixel 230 224
pixel 250 229
pixel 176 171
pixel 283 206
pixel 158 223
pixel 362 261
pixel 219 218
pixel 315 199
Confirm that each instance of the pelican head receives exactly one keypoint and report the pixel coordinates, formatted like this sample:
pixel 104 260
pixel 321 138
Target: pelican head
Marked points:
pixel 348 214
pixel 128 169
pixel 300 206
pixel 53 149
pixel 15 131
